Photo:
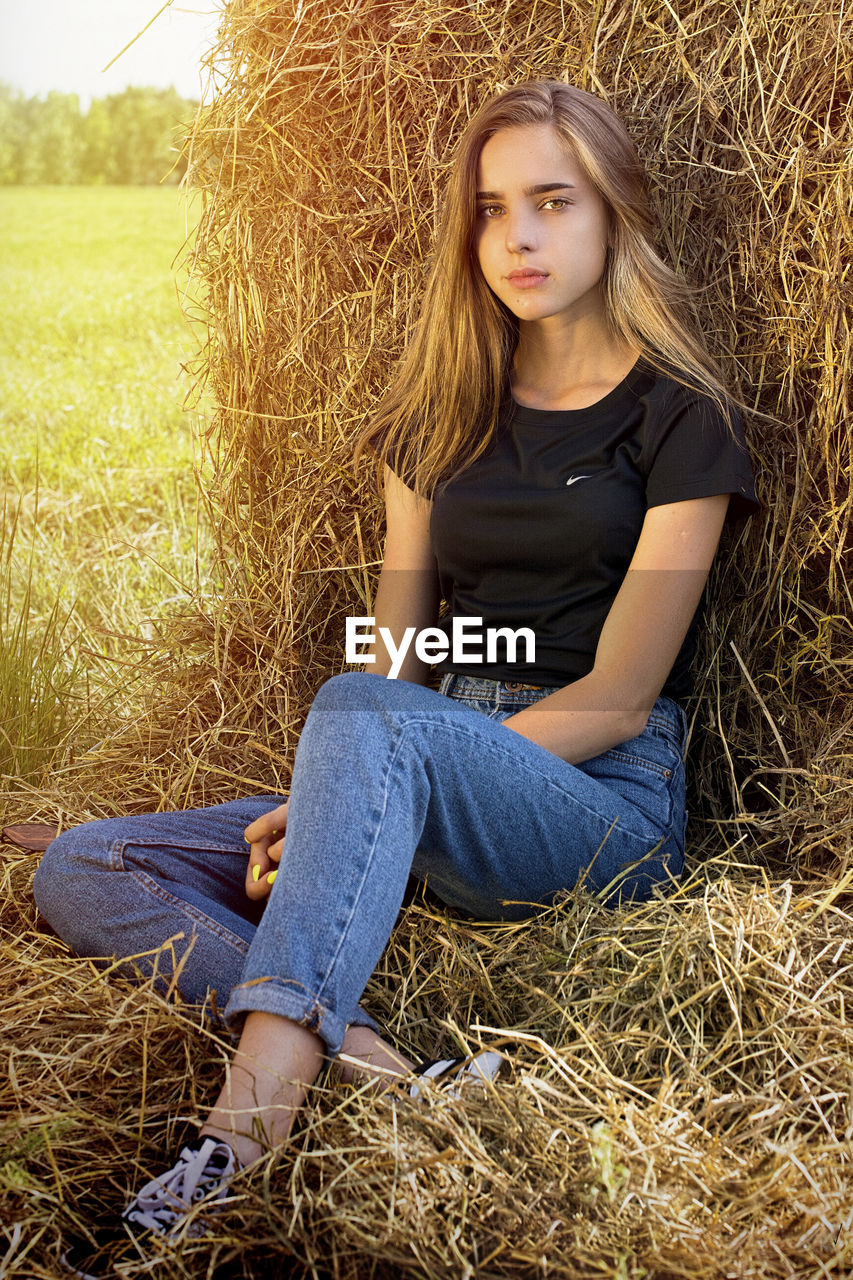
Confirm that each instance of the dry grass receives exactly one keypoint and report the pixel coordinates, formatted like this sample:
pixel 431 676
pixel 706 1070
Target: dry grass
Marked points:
pixel 679 1103
pixel 709 1031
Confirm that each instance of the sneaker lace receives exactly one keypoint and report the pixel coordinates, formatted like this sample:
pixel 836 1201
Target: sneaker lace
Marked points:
pixel 167 1199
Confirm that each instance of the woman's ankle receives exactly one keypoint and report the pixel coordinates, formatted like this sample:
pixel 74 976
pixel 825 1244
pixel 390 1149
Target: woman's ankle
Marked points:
pixel 365 1058
pixel 273 1067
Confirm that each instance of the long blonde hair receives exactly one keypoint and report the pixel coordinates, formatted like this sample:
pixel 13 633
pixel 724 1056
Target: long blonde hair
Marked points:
pixel 445 400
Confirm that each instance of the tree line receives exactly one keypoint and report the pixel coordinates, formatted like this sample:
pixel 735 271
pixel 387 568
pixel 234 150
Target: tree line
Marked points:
pixel 132 138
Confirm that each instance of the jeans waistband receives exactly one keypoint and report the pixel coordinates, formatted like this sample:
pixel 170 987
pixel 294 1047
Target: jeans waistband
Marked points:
pixel 666 714
pixel 458 686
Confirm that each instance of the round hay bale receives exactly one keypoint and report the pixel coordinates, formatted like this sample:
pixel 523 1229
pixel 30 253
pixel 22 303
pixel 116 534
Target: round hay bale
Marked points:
pixel 322 157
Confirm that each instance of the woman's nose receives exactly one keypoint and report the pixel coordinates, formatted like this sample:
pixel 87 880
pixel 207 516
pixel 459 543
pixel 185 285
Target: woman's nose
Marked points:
pixel 520 233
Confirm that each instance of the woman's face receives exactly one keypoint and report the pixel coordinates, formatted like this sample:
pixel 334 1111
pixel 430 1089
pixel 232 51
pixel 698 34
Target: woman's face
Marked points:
pixel 542 228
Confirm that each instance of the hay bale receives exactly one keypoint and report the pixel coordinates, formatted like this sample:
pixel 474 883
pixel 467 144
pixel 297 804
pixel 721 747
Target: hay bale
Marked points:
pixel 681 1103
pixel 322 158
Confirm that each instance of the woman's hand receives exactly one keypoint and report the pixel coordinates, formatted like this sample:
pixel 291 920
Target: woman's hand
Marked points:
pixel 266 836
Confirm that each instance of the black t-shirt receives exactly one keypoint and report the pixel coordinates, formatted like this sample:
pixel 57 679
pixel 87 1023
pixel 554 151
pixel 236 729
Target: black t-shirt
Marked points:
pixel 540 530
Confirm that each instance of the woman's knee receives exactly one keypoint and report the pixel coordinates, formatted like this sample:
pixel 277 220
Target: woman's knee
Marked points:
pixel 364 691
pixel 63 878
pixel 350 691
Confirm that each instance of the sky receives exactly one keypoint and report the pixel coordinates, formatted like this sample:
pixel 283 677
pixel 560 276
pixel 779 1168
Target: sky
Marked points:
pixel 65 44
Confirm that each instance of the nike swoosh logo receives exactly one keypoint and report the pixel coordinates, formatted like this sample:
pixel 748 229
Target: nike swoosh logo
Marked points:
pixel 574 479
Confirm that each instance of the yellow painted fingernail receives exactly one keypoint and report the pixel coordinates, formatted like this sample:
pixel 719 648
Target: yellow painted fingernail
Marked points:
pixel 271 877
pixel 256 872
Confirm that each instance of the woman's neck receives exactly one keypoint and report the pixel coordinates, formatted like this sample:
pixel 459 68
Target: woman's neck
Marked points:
pixel 568 366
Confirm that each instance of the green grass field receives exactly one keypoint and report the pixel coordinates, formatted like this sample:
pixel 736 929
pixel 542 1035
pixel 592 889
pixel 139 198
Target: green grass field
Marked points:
pixel 100 532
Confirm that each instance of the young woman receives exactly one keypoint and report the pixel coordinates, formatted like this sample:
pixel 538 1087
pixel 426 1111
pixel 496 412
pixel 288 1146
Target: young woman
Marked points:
pixel 564 456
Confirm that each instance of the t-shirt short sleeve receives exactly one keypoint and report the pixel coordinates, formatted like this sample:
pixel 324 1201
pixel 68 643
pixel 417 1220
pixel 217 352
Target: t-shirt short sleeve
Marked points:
pixel 394 460
pixel 694 453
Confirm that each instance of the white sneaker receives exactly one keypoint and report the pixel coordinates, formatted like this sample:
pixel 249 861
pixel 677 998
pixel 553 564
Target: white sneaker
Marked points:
pixel 203 1169
pixel 452 1075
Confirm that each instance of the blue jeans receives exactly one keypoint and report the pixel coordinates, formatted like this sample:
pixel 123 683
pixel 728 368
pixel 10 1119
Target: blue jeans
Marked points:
pixel 390 778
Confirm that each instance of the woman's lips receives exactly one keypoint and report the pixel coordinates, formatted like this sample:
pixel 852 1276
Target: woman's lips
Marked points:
pixel 527 278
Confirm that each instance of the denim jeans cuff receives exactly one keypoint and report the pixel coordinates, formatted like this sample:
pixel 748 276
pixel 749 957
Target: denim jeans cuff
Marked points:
pixel 274 995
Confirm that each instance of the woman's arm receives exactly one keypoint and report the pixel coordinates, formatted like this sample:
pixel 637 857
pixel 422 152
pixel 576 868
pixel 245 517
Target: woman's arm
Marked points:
pixel 640 639
pixel 408 593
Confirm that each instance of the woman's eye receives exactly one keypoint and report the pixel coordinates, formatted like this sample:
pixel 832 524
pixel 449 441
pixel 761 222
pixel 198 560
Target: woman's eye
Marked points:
pixel 557 202
pixel 489 210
